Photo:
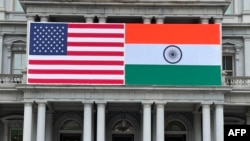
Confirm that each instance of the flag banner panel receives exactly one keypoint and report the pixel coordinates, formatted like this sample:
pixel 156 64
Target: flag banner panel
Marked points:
pixel 76 53
pixel 124 54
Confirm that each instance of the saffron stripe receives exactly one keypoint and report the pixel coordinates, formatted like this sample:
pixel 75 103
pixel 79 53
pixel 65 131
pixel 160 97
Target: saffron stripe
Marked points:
pixel 95 53
pixel 173 33
pixel 62 71
pixel 76 81
pixel 97 35
pixel 116 26
pixel 97 44
pixel 74 62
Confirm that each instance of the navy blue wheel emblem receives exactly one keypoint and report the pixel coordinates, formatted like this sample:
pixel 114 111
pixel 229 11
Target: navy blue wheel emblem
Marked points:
pixel 172 54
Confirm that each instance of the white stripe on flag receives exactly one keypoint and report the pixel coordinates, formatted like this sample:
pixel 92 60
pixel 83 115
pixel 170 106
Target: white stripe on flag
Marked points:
pixel 85 30
pixel 70 48
pixel 152 54
pixel 64 57
pixel 75 67
pixel 83 39
pixel 76 76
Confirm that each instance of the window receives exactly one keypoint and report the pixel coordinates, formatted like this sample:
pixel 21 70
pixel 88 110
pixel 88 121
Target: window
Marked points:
pixel 175 126
pixel 18 60
pixel 227 65
pixel 123 126
pixel 16 134
pixel 71 125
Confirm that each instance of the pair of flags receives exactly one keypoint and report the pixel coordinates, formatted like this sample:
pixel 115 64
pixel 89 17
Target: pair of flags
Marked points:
pixel 124 54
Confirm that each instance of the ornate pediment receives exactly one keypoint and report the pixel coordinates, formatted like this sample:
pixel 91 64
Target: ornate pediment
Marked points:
pixel 231 46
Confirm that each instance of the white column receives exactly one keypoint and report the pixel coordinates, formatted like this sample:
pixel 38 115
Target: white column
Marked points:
pixel 44 18
pixel 160 121
pixel 147 19
pixel 247 117
pixel 102 19
pixel 5 130
pixel 101 121
pixel 49 127
pixel 204 20
pixel 1 53
pixel 87 122
pixel 219 122
pixel 2 10
pixel 27 123
pixel 40 136
pixel 246 55
pixel 89 19
pixel 206 125
pixel 197 126
pixel 146 121
pixel 160 20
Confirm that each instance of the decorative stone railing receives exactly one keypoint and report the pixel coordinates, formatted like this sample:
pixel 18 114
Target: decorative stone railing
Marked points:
pixel 239 81
pixel 11 78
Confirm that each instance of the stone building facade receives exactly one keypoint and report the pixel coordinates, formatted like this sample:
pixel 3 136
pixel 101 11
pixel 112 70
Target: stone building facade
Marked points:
pixel 127 113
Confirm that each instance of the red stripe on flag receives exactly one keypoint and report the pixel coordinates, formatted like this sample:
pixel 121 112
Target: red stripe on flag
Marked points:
pixel 96 44
pixel 114 26
pixel 74 62
pixel 95 53
pixel 106 72
pixel 75 81
pixel 97 35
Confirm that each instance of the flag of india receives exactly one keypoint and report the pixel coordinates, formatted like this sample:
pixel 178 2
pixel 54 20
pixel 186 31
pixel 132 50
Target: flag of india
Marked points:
pixel 171 54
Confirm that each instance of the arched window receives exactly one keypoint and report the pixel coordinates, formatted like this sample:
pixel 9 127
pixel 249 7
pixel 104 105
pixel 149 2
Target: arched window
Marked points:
pixel 70 125
pixel 175 126
pixel 123 126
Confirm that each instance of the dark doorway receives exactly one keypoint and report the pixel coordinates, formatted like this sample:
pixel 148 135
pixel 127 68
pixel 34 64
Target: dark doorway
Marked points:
pixel 70 137
pixel 175 137
pixel 123 137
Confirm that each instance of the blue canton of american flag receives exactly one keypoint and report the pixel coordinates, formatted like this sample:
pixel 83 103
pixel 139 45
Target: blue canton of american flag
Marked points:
pixel 48 39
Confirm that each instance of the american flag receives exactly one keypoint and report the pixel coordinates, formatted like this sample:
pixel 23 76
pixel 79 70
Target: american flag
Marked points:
pixel 76 53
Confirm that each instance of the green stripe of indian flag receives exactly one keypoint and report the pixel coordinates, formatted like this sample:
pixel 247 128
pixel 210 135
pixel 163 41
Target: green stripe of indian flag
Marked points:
pixel 172 75
pixel 191 54
pixel 145 65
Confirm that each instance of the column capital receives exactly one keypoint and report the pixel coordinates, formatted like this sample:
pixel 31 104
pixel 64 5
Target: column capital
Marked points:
pixel 160 103
pixel 102 18
pixel 206 103
pixel 28 103
pixel 44 18
pixel 204 20
pixel 160 19
pixel 147 19
pixel 30 18
pixel 101 102
pixel 89 18
pixel 218 20
pixel 41 101
pixel 147 103
pixel 87 102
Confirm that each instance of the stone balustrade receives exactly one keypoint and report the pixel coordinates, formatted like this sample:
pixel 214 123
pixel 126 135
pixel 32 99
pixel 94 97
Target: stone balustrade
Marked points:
pixel 235 81
pixel 10 78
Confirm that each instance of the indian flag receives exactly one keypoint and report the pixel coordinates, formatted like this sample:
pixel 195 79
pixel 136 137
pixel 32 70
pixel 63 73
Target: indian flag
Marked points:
pixel 171 54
